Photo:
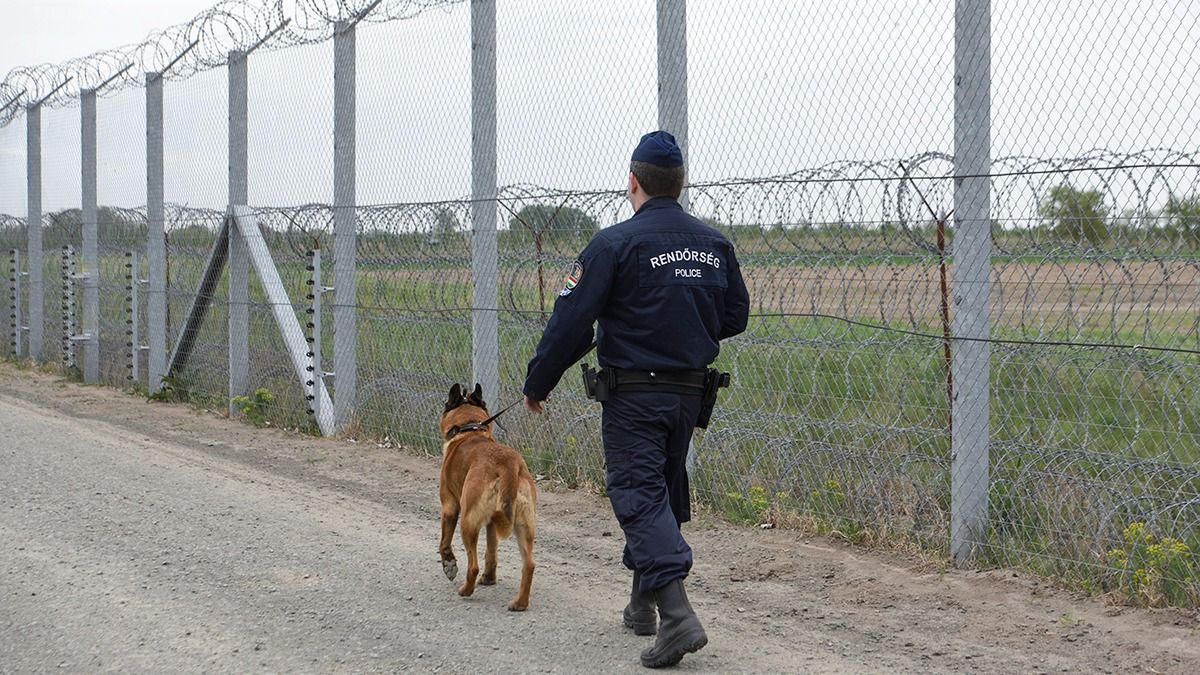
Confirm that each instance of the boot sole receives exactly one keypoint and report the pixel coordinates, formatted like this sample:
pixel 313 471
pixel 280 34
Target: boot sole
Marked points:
pixel 682 646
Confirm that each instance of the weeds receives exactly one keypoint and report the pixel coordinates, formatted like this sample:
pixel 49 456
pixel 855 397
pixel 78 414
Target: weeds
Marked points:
pixel 1154 570
pixel 749 507
pixel 171 391
pixel 255 406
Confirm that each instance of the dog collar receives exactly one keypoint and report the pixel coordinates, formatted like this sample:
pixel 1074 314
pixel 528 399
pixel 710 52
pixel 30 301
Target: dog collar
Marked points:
pixel 463 428
pixel 478 426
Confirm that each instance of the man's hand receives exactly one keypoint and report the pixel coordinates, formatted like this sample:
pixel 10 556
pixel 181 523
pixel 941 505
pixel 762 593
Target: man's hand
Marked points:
pixel 534 406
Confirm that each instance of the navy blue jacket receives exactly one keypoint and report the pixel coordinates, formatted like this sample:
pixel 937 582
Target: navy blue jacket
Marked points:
pixel 664 287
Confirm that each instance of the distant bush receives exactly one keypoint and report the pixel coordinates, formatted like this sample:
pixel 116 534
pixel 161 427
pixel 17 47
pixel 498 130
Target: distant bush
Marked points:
pixel 1184 217
pixel 546 219
pixel 1077 215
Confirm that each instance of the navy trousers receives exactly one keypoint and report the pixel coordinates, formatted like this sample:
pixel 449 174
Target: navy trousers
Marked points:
pixel 646 436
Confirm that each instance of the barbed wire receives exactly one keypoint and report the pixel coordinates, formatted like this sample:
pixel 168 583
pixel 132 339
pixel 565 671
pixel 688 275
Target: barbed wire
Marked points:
pixel 203 43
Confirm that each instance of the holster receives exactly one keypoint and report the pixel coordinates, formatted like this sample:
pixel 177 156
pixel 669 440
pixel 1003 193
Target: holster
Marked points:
pixel 595 383
pixel 713 380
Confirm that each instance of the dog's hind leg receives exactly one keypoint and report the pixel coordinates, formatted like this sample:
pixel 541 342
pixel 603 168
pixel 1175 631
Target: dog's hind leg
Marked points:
pixel 449 521
pixel 489 556
pixel 470 537
pixel 524 532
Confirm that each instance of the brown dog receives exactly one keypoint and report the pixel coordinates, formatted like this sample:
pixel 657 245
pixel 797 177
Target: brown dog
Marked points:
pixel 484 483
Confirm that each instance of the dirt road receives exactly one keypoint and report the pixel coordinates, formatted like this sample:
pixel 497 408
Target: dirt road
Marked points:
pixel 150 537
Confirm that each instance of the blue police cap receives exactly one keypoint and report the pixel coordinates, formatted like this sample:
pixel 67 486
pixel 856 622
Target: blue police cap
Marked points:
pixel 658 148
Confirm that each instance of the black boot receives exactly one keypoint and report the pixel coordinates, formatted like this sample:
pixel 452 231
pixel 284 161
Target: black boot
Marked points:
pixel 640 614
pixel 680 632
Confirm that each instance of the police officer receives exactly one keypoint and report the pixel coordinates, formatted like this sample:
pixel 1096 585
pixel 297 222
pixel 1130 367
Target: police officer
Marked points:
pixel 665 288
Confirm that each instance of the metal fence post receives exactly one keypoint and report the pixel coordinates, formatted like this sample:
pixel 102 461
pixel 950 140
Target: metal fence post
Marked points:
pixel 485 320
pixel 239 260
pixel 33 232
pixel 156 247
pixel 90 262
pixel 672 74
pixel 673 92
pixel 971 278
pixel 345 227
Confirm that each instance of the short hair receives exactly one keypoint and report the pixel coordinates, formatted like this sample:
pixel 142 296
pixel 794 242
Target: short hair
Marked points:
pixel 659 181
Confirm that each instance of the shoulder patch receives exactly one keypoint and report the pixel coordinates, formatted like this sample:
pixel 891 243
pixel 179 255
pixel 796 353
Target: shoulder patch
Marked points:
pixel 573 277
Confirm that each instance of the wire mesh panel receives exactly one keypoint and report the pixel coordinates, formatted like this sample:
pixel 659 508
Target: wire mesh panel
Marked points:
pixel 12 222
pixel 62 222
pixel 121 227
pixel 60 166
pixel 575 88
pixel 841 409
pixel 775 88
pixel 12 169
pixel 413 258
pixel 121 148
pixel 291 125
pixel 426 92
pixel 820 138
pixel 122 238
pixel 195 144
pixel 1096 434
pixel 1074 76
pixel 414 296
pixel 196 188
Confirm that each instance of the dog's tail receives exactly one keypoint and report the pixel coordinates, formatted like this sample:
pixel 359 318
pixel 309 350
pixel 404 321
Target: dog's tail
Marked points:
pixel 509 482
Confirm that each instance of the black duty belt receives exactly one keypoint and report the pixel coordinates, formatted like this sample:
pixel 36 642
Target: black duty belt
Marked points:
pixel 675 381
pixel 702 383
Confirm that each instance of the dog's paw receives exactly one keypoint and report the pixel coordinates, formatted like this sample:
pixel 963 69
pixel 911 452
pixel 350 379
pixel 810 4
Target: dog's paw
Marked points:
pixel 466 590
pixel 450 568
pixel 486 579
pixel 515 606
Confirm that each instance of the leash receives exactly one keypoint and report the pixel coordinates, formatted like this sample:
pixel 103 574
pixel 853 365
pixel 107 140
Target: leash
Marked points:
pixel 506 409
pixel 479 426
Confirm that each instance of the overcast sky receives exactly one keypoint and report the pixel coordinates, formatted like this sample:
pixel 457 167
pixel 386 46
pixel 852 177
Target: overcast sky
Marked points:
pixel 52 31
pixel 774 87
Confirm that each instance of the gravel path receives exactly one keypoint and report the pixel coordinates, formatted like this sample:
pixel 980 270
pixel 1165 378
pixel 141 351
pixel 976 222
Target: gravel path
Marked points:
pixel 151 537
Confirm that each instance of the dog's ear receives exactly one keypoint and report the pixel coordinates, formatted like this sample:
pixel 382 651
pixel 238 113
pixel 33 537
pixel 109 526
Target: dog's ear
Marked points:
pixel 456 397
pixel 476 396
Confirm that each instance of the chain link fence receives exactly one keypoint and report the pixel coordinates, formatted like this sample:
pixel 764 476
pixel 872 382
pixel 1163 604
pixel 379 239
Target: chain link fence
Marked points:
pixel 1001 361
